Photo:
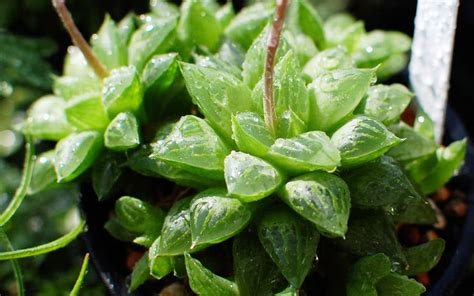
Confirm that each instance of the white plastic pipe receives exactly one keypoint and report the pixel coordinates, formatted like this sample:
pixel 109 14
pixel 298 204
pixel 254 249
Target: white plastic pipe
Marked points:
pixel 432 51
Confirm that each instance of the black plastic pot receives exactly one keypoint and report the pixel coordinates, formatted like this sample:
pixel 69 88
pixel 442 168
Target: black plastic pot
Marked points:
pixel 460 260
pixel 109 255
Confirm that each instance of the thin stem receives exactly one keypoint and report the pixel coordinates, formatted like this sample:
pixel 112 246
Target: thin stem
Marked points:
pixel 45 248
pixel 80 278
pixel 20 193
pixel 15 265
pixel 78 39
pixel 272 46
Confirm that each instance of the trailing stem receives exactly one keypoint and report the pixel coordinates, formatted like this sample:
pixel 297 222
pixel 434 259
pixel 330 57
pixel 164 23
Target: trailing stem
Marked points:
pixel 78 39
pixel 22 190
pixel 272 46
pixel 80 278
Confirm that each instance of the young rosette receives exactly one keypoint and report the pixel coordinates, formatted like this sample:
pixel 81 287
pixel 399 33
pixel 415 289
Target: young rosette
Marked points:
pixel 297 171
pixel 98 113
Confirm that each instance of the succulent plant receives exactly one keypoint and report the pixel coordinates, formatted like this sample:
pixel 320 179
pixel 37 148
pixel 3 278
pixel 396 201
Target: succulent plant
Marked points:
pixel 299 160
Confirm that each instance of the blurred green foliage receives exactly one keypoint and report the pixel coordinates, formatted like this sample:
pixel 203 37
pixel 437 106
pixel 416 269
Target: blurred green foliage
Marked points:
pixel 26 72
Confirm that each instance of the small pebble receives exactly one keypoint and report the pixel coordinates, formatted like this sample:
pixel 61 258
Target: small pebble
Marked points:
pixel 441 195
pixel 423 278
pixel 175 289
pixel 408 116
pixel 409 235
pixel 133 258
pixel 431 235
pixel 457 208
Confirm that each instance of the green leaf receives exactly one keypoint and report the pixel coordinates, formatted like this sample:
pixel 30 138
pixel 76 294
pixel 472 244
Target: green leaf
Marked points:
pixel 123 132
pixel 371 232
pixel 290 241
pixel 335 94
pixel 164 9
pixel 122 91
pixel 399 285
pixel 216 62
pixel 419 168
pixel 363 139
pixel 290 291
pixel 140 273
pixel 250 178
pixel 75 65
pixel 303 17
pixel 199 25
pixel 175 236
pixel 216 217
pixel 139 216
pixel 47 120
pixel 365 273
pixel 327 60
pixel 212 5
pixel 43 173
pixel 290 124
pixel 105 174
pixel 231 53
pixel 418 211
pixel 75 154
pixel 289 91
pixel 107 45
pixel 68 87
pixel 160 266
pixel 248 23
pixel 254 62
pixel 159 75
pixel 255 272
pixel 86 112
pixel 321 198
pixel 225 14
pixel 385 102
pixel 179 267
pixel 377 46
pixel 217 94
pixel 307 152
pixel 380 183
pixel 152 38
pixel 394 64
pixel 302 45
pixel 251 134
pixel 144 163
pixel 116 230
pixel 424 257
pixel 203 282
pixel 423 124
pixel 141 163
pixel 415 145
pixel 193 146
pixel 125 29
pixel 449 161
pixel 342 29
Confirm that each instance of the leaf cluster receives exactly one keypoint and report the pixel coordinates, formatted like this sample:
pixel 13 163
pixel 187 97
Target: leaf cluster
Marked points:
pixel 339 169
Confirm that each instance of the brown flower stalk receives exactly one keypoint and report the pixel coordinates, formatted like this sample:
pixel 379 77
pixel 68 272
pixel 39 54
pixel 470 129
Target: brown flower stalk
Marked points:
pixel 78 39
pixel 272 46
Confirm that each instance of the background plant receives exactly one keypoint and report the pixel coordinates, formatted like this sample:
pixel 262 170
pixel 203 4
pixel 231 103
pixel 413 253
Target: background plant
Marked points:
pixel 45 215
